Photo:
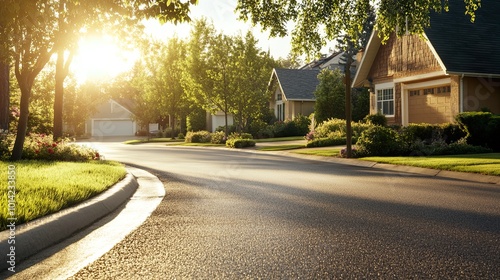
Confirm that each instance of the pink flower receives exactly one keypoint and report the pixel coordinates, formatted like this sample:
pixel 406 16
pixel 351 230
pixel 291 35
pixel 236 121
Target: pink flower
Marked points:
pixel 50 150
pixel 54 144
pixel 37 151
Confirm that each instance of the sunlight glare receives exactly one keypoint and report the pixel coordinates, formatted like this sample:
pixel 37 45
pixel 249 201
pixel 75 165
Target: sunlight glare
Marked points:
pixel 101 59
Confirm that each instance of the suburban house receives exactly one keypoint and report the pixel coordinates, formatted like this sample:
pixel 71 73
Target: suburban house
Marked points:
pixel 215 120
pixel 293 92
pixel 114 118
pixel 332 62
pixel 452 68
pixel 293 89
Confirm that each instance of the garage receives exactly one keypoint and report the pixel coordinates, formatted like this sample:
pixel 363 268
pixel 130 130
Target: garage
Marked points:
pixel 429 105
pixel 113 127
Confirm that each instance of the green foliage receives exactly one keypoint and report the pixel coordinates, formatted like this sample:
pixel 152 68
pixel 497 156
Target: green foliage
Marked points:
pixel 201 136
pixel 336 128
pixel 236 135
pixel 42 147
pixel 197 119
pixel 240 143
pixel 325 142
pixel 360 103
pixel 378 141
pixel 330 96
pixel 314 23
pixel 482 128
pixel 218 137
pixel 376 119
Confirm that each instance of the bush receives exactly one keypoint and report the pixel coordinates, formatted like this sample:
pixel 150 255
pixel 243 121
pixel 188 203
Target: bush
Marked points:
pixel 218 137
pixel 378 141
pixel 201 136
pixel 240 143
pixel 301 123
pixel 325 142
pixel 482 128
pixel 335 128
pixel 376 119
pixel 180 136
pixel 41 147
pixel 235 135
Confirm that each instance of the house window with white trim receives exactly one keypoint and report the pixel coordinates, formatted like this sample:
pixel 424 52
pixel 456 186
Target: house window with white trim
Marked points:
pixel 385 101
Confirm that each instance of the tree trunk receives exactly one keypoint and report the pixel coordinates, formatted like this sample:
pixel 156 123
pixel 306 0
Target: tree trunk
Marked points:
pixel 4 96
pixel 59 97
pixel 22 126
pixel 348 110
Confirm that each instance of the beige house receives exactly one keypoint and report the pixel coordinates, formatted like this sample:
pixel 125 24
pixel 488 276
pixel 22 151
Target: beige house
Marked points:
pixel 452 69
pixel 292 92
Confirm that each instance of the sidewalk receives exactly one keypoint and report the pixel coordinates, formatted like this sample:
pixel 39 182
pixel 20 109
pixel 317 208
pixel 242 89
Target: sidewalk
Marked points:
pixel 34 237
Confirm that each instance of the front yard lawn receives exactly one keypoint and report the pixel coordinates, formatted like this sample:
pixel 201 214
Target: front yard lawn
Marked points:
pixel 488 164
pixel 152 140
pixel 44 187
pixel 280 148
pixel 325 152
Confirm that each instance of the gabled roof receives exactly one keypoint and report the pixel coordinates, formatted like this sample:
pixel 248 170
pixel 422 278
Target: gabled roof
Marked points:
pixel 466 47
pixel 461 47
pixel 320 63
pixel 297 84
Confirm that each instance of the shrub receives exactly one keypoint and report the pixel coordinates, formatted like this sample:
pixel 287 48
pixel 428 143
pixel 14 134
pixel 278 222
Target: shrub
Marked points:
pixel 337 128
pixel 325 142
pixel 201 136
pixel 235 135
pixel 378 141
pixel 475 125
pixel 41 147
pixel 181 136
pixel 218 137
pixel 240 143
pixel 301 123
pixel 376 119
pixel 493 132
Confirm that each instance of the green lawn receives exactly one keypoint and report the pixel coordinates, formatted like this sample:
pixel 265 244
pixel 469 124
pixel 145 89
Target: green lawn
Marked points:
pixel 198 144
pixel 331 152
pixel 280 148
pixel 46 187
pixel 476 163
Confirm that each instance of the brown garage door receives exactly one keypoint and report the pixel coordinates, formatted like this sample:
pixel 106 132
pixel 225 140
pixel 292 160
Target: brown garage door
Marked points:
pixel 429 105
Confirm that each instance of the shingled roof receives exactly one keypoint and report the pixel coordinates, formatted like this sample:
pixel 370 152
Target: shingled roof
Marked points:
pixel 297 84
pixel 463 46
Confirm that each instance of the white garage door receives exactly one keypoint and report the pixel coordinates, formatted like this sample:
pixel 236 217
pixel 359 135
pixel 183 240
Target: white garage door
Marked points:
pixel 113 128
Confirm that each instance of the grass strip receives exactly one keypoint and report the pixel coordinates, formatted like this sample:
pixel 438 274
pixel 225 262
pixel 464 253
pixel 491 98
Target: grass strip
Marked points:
pixel 330 152
pixel 280 148
pixel 488 164
pixel 44 187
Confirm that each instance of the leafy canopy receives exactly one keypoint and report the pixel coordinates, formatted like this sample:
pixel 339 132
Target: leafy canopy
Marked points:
pixel 317 20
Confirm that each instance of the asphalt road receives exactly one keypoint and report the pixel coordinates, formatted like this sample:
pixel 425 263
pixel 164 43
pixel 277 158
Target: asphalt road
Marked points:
pixel 242 215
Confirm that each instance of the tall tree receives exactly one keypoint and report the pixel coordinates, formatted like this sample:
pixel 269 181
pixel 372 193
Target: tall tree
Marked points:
pixel 251 75
pixel 208 77
pixel 330 101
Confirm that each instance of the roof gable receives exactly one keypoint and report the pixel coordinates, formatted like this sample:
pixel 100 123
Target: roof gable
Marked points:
pixel 297 84
pixel 461 47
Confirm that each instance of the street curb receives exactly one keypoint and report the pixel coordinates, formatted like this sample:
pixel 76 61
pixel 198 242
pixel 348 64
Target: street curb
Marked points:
pixel 36 235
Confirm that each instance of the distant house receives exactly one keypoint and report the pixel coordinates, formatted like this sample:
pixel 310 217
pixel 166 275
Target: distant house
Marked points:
pixel 114 118
pixel 453 69
pixel 292 92
pixel 215 120
pixel 332 62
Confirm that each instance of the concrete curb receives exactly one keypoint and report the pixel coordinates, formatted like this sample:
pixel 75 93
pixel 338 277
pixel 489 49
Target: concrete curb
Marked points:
pixel 34 236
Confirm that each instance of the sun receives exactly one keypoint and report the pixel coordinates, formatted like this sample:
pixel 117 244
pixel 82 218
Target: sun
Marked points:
pixel 99 58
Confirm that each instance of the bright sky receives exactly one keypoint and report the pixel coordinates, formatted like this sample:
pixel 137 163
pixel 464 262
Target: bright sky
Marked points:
pixel 221 12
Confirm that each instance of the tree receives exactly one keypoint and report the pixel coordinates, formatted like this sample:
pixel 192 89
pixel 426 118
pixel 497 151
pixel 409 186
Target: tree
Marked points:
pixel 35 35
pixel 317 21
pixel 251 75
pixel 209 69
pixel 330 101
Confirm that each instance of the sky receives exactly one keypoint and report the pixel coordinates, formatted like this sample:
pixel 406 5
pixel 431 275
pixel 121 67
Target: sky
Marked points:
pixel 222 13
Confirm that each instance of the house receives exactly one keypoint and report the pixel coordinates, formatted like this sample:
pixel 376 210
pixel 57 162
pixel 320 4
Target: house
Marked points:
pixel 332 62
pixel 114 117
pixel 452 69
pixel 293 92
pixel 215 120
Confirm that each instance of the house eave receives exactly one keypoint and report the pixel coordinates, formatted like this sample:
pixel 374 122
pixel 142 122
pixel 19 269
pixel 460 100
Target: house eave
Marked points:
pixel 472 74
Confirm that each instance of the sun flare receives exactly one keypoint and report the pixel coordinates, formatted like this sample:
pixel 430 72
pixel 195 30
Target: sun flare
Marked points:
pixel 100 59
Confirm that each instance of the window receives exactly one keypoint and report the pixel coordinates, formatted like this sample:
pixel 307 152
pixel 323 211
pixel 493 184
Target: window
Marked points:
pixel 279 97
pixel 385 101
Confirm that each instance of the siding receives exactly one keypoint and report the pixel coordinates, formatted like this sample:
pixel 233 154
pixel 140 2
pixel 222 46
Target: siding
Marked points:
pixel 407 56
